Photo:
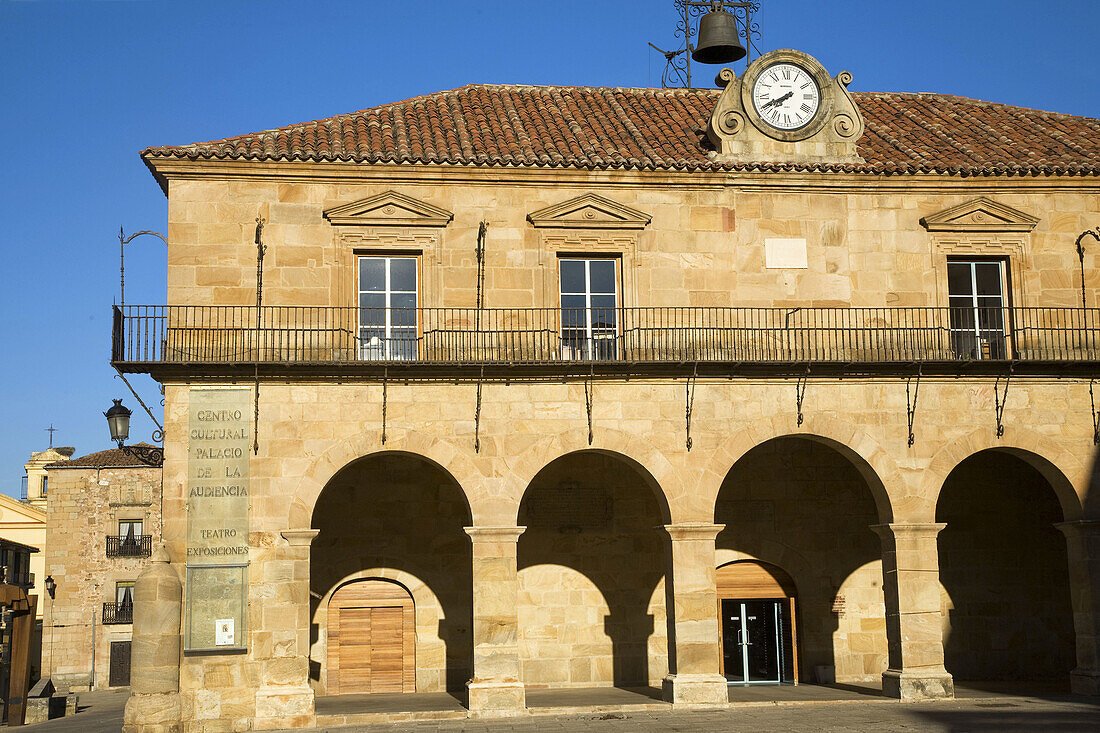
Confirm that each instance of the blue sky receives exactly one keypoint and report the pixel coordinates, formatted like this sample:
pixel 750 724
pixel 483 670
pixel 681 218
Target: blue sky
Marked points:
pixel 86 85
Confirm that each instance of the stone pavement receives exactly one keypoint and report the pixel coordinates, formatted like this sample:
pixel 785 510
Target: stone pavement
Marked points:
pixel 101 712
pixel 1003 715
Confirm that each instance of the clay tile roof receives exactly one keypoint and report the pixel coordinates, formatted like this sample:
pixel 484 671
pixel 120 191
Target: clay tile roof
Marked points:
pixel 113 458
pixel 661 129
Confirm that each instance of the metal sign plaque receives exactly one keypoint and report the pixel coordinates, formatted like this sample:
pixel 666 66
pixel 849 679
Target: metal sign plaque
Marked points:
pixel 218 445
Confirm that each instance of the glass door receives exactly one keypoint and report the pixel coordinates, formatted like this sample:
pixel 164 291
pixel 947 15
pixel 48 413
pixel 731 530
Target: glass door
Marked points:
pixel 387 308
pixel 753 641
pixel 977 314
pixel 589 301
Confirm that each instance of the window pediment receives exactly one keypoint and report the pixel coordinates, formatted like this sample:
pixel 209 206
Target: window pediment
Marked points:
pixel 979 215
pixel 389 209
pixel 589 211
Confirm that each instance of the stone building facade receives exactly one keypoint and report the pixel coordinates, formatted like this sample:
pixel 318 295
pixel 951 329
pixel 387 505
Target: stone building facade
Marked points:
pixel 556 387
pixel 103 517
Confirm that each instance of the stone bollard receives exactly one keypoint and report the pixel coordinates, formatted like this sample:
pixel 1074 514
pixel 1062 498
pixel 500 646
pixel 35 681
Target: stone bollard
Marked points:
pixel 154 704
pixel 71 701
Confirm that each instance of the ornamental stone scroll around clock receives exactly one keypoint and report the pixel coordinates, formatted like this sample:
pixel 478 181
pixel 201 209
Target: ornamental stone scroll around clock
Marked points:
pixel 785 108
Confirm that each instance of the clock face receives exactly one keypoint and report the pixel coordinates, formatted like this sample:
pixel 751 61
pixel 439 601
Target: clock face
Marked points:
pixel 786 96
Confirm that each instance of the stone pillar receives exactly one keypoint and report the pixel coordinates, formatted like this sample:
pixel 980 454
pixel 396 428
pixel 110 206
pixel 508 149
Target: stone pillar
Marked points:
pixel 1083 539
pixel 285 698
pixel 914 622
pixel 496 687
pixel 695 657
pixel 154 703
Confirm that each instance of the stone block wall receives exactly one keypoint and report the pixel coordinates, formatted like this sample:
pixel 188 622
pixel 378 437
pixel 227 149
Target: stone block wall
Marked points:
pixel 703 247
pixel 591 577
pixel 398 518
pixel 312 437
pixel 802 506
pixel 1004 573
pixel 83 509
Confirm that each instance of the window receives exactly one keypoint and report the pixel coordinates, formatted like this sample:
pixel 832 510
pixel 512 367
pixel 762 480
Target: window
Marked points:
pixel 589 301
pixel 124 593
pixel 129 530
pixel 387 307
pixel 45 484
pixel 977 313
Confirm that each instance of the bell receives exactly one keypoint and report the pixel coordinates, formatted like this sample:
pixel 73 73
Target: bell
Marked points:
pixel 719 41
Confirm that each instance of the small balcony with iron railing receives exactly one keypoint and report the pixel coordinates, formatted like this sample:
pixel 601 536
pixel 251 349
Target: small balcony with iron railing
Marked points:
pixel 130 546
pixel 451 341
pixel 118 613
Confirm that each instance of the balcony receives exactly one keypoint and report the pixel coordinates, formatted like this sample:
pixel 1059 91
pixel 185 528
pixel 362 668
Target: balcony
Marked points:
pixel 517 342
pixel 135 546
pixel 118 613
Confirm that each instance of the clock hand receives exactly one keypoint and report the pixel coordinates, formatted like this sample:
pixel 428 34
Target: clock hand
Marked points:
pixel 778 100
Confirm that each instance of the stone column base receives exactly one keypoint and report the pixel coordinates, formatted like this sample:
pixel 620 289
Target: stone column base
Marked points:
pixel 153 713
pixel 700 690
pixel 914 686
pixel 1084 682
pixel 287 706
pixel 496 699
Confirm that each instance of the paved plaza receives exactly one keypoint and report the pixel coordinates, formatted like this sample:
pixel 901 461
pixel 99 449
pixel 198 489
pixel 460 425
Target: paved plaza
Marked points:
pixel 974 710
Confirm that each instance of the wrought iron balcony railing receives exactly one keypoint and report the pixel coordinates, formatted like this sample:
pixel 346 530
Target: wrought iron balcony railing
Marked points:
pixel 118 613
pixel 135 546
pixel 146 336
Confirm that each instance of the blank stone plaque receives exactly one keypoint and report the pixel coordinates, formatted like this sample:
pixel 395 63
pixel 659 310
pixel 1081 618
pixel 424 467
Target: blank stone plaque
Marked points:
pixel 780 254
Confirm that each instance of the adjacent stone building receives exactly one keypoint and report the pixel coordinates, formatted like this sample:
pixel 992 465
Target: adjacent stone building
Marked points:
pixel 514 387
pixel 103 517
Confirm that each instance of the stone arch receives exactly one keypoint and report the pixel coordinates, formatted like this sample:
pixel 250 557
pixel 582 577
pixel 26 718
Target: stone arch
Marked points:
pixel 872 462
pixel 427 610
pixel 640 453
pixel 442 453
pixel 1065 473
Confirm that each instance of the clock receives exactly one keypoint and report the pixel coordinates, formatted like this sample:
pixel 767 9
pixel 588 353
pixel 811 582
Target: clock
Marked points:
pixel 786 96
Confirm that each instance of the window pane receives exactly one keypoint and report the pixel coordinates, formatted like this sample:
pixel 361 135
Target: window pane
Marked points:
pixel 958 278
pixel 572 301
pixel 603 301
pixel 405 317
pixel 403 274
pixel 372 273
pixel 403 300
pixel 572 276
pixel 989 278
pixel 602 276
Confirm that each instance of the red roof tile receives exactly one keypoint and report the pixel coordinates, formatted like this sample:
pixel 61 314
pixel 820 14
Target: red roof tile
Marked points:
pixel 661 129
pixel 113 458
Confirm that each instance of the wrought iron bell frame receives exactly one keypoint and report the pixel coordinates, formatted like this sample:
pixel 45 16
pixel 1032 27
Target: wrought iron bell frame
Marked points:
pixel 678 63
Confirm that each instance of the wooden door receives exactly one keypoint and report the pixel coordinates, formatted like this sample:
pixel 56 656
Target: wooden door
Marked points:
pixel 119 674
pixel 371 644
pixel 386 652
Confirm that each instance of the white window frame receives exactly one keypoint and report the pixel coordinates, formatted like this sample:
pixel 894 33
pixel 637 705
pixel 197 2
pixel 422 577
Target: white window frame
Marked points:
pixel 975 331
pixel 390 349
pixel 592 336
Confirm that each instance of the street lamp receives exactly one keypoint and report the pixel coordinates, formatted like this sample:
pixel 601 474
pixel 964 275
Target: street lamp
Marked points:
pixel 118 421
pixel 51 585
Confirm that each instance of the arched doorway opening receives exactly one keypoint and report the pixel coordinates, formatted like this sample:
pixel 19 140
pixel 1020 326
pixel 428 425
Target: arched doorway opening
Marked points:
pixel 1003 569
pixel 806 505
pixel 758 609
pixel 393 523
pixel 592 564
pixel 371 638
